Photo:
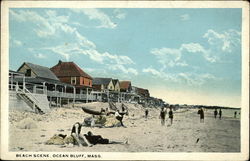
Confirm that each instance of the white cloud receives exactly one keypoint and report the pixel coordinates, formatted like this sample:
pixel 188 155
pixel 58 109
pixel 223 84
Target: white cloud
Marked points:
pixel 107 57
pixel 40 56
pixel 193 48
pixel 185 17
pixel 226 41
pixel 190 79
pixel 167 56
pixel 97 14
pixel 123 69
pixel 17 43
pixel 83 41
pixel 119 13
pixel 46 25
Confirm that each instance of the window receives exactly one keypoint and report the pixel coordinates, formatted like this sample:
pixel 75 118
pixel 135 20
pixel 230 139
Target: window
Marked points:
pixel 28 73
pixel 73 80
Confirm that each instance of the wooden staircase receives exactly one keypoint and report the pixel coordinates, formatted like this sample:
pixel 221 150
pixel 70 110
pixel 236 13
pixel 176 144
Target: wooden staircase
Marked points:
pixel 31 100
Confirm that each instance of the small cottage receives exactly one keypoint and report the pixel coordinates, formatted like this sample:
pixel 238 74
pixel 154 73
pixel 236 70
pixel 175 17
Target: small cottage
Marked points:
pixel 103 84
pixel 125 86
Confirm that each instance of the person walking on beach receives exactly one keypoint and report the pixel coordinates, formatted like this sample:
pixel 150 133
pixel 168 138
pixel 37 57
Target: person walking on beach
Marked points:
pixel 146 113
pixel 235 113
pixel 215 113
pixel 171 115
pixel 162 116
pixel 201 113
pixel 220 114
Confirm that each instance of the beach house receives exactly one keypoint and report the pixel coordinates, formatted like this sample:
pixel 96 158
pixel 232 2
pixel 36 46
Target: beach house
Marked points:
pixel 34 84
pixel 69 72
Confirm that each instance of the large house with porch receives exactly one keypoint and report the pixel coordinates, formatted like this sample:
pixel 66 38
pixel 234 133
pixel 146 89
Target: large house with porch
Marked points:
pixel 69 72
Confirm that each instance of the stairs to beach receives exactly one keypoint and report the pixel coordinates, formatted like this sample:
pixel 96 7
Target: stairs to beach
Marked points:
pixel 36 102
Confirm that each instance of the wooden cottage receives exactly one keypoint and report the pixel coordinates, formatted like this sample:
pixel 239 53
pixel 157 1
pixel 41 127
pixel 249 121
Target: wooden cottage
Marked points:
pixel 103 84
pixel 69 72
pixel 125 86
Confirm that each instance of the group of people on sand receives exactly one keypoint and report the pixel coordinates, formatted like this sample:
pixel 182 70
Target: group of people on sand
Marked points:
pixel 216 113
pixel 163 114
pixel 89 139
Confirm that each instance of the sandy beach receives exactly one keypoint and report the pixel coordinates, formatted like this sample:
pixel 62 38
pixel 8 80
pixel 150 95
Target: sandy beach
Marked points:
pixel 143 135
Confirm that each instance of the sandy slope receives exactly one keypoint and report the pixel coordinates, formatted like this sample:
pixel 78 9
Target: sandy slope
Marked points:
pixel 143 135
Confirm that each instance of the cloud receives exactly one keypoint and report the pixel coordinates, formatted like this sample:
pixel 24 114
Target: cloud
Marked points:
pixel 16 43
pixel 191 79
pixel 97 14
pixel 52 24
pixel 218 43
pixel 123 69
pixel 185 17
pixel 40 56
pixel 167 56
pixel 46 25
pixel 225 41
pixel 119 13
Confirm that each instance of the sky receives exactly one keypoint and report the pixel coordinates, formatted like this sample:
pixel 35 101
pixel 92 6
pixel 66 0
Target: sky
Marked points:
pixel 184 56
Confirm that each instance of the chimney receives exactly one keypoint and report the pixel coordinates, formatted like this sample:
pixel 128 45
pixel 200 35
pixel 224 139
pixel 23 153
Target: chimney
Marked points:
pixel 59 62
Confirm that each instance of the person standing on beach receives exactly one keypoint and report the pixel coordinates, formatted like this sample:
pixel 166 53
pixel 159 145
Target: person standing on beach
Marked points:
pixel 215 113
pixel 220 114
pixel 171 115
pixel 146 113
pixel 201 113
pixel 162 116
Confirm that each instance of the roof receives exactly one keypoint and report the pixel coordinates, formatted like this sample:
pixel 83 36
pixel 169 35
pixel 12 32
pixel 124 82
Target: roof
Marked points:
pixel 41 80
pixel 69 69
pixel 115 81
pixel 40 71
pixel 99 81
pixel 125 84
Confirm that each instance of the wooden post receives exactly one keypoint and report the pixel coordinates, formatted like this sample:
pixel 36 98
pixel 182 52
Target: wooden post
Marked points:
pixel 87 95
pixel 11 86
pixel 24 83
pixel 44 89
pixel 34 89
pixel 108 95
pixel 74 98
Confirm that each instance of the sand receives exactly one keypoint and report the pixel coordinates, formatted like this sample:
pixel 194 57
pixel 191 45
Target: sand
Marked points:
pixel 186 134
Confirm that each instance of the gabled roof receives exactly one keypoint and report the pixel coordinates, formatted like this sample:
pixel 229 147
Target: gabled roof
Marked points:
pixel 125 84
pixel 69 69
pixel 40 71
pixel 100 81
pixel 115 81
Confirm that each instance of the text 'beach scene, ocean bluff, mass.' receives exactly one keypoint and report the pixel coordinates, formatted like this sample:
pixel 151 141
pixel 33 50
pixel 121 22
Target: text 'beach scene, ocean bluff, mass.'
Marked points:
pixel 125 79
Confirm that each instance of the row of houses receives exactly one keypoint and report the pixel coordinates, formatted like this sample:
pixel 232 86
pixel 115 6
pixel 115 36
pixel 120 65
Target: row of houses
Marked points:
pixel 66 82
